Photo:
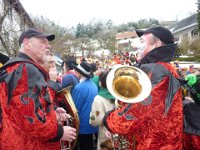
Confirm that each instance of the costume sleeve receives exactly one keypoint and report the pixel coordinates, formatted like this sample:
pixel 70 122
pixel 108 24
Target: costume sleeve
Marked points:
pixel 97 113
pixel 125 120
pixel 31 105
pixel 130 118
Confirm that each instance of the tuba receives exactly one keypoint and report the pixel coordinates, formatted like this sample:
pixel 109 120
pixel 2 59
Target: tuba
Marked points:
pixel 127 84
pixel 68 104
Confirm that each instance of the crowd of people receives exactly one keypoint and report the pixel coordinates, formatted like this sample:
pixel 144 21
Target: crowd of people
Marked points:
pixel 32 110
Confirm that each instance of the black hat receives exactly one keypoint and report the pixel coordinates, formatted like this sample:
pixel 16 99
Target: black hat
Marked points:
pixel 69 61
pixel 84 68
pixel 70 64
pixel 35 33
pixel 160 32
pixel 94 67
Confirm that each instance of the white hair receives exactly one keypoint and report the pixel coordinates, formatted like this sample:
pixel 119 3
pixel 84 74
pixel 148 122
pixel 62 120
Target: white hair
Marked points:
pixel 21 48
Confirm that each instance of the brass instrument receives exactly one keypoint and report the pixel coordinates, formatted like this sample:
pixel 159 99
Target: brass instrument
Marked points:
pixel 68 104
pixel 127 84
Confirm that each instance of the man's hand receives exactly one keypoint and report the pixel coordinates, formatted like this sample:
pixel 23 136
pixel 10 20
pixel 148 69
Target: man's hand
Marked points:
pixel 53 74
pixel 61 114
pixel 69 134
pixel 108 135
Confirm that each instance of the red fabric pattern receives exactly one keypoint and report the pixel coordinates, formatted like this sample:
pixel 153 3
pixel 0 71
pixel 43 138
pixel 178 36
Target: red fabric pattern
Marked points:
pixel 152 128
pixel 191 142
pixel 18 133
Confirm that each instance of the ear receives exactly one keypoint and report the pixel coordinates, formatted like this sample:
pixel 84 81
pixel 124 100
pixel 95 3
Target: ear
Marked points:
pixel 26 43
pixel 158 44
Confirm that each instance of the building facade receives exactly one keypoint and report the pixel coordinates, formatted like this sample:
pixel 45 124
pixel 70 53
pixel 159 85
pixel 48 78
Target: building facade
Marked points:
pixel 13 20
pixel 186 29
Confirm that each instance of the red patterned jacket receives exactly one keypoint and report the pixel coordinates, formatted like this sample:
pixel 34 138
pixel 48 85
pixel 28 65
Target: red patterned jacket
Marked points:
pixel 28 117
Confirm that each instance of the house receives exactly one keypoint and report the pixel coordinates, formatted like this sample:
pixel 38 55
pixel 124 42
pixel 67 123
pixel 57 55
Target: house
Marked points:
pixel 185 29
pixel 13 19
pixel 166 23
pixel 125 40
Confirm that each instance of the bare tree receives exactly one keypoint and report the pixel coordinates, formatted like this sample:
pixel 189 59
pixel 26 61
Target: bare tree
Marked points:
pixel 64 36
pixel 184 46
pixel 3 14
pixel 195 47
pixel 12 18
pixel 106 39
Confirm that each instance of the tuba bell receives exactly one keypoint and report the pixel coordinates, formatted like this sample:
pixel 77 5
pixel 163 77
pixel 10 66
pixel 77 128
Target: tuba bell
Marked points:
pixel 68 104
pixel 127 84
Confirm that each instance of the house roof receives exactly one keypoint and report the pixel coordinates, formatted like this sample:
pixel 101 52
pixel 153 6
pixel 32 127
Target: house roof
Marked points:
pixel 183 24
pixel 126 35
pixel 22 12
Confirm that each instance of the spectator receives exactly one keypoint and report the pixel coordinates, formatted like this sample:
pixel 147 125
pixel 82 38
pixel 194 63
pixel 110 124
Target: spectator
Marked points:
pixel 103 102
pixel 70 77
pixel 190 70
pixel 83 96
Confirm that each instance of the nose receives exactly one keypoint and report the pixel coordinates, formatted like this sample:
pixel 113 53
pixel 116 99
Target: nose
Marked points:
pixel 48 46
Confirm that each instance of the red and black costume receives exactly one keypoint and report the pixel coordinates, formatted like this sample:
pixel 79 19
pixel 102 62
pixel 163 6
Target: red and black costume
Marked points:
pixel 28 116
pixel 191 126
pixel 191 111
pixel 156 122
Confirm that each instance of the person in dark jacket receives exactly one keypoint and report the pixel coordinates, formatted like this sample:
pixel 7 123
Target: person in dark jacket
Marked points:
pixel 69 79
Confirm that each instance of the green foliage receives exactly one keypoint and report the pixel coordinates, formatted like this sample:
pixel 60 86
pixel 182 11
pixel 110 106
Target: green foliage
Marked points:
pixel 89 30
pixel 142 23
pixel 192 58
pixel 62 34
pixel 97 34
pixel 96 26
pixel 109 24
pixel 81 31
pixel 184 46
pixel 195 46
pixel 126 27
pixel 189 49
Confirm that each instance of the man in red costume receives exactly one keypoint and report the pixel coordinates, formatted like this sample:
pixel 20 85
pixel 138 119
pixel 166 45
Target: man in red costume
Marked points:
pixel 28 116
pixel 156 122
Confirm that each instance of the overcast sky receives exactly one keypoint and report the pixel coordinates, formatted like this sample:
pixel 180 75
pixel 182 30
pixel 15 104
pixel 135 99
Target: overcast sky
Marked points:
pixel 69 13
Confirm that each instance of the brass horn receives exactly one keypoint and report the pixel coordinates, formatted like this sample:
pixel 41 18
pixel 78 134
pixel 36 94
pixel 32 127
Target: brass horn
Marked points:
pixel 128 84
pixel 68 104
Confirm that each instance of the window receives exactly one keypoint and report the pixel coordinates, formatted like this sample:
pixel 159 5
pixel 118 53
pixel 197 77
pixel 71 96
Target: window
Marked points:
pixel 176 39
pixel 194 33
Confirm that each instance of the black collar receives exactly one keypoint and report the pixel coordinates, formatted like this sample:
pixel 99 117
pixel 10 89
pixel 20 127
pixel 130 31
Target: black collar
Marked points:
pixel 22 55
pixel 160 54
